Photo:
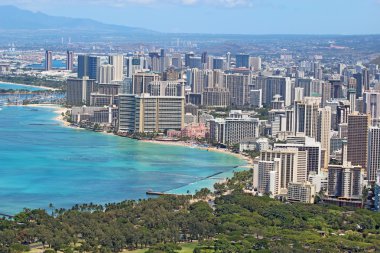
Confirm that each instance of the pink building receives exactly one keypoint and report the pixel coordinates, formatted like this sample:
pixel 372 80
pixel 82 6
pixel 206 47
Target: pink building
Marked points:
pixel 173 134
pixel 195 131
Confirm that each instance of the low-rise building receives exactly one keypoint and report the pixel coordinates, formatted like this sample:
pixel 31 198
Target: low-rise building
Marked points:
pixel 195 131
pixel 301 192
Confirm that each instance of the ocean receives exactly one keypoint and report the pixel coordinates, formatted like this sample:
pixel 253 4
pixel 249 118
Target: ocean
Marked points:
pixel 43 162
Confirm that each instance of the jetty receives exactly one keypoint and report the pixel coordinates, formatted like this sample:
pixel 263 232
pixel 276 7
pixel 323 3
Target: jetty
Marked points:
pixel 6 216
pixel 153 193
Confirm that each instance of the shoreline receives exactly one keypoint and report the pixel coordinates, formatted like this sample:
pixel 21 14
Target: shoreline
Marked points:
pixel 30 85
pixel 194 145
pixel 57 110
pixel 59 118
pixel 248 163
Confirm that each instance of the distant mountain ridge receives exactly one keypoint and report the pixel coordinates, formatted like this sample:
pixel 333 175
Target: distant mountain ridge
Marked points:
pixel 13 18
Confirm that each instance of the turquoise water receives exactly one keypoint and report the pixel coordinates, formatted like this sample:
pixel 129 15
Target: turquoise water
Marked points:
pixel 18 87
pixel 42 162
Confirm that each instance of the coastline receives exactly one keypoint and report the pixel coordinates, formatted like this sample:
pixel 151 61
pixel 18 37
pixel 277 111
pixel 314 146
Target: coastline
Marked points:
pixel 59 118
pixel 210 149
pixel 205 182
pixel 57 110
pixel 30 85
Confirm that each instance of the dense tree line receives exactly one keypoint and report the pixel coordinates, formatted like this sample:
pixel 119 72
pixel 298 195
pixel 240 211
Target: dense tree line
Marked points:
pixel 36 81
pixel 233 222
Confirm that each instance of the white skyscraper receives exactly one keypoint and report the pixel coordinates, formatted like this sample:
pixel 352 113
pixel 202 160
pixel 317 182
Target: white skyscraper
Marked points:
pixel 372 104
pixel 228 60
pixel 373 153
pixel 323 134
pixel 291 167
pixel 106 74
pixel 117 61
pixel 255 63
pixel 306 116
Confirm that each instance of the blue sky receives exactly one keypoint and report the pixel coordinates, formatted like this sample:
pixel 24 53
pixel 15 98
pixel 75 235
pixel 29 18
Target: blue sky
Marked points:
pixel 223 16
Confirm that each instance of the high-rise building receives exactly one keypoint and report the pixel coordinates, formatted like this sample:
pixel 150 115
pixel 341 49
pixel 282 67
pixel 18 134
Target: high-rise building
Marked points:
pixel 267 175
pixel 275 85
pixel 117 61
pixel 291 166
pixel 238 85
pixel 195 62
pixel 163 60
pixel 309 145
pixel 326 93
pixel 204 58
pixel 79 91
pixel 323 134
pixel 242 61
pixel 234 129
pixel 216 97
pixel 352 99
pixel 373 168
pixel 199 79
pixel 48 60
pixel 240 129
pixel 69 60
pixel 304 83
pixel 366 82
pixel 154 60
pixel 359 84
pixel 166 88
pixel 228 61
pixel 177 61
pixel 88 66
pixel 371 104
pixel 93 67
pixel 82 66
pixel 342 111
pixel 218 63
pixel 255 97
pixel 306 116
pixel 144 113
pixel 187 58
pixel 141 81
pixel 255 63
pixel 317 70
pixel 106 74
pixel 345 181
pixel 134 64
pixel 357 139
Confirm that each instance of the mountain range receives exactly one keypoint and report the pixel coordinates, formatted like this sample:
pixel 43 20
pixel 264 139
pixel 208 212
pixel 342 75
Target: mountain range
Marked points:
pixel 13 19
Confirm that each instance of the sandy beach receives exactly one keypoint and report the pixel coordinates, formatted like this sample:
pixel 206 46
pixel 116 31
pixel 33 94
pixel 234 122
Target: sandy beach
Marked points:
pixel 35 86
pixel 194 145
pixel 57 109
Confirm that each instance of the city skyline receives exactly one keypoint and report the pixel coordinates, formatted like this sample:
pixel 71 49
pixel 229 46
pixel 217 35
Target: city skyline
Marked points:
pixel 244 16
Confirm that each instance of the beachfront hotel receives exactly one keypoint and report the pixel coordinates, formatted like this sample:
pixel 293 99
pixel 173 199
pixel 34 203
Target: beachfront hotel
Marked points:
pixel 162 109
